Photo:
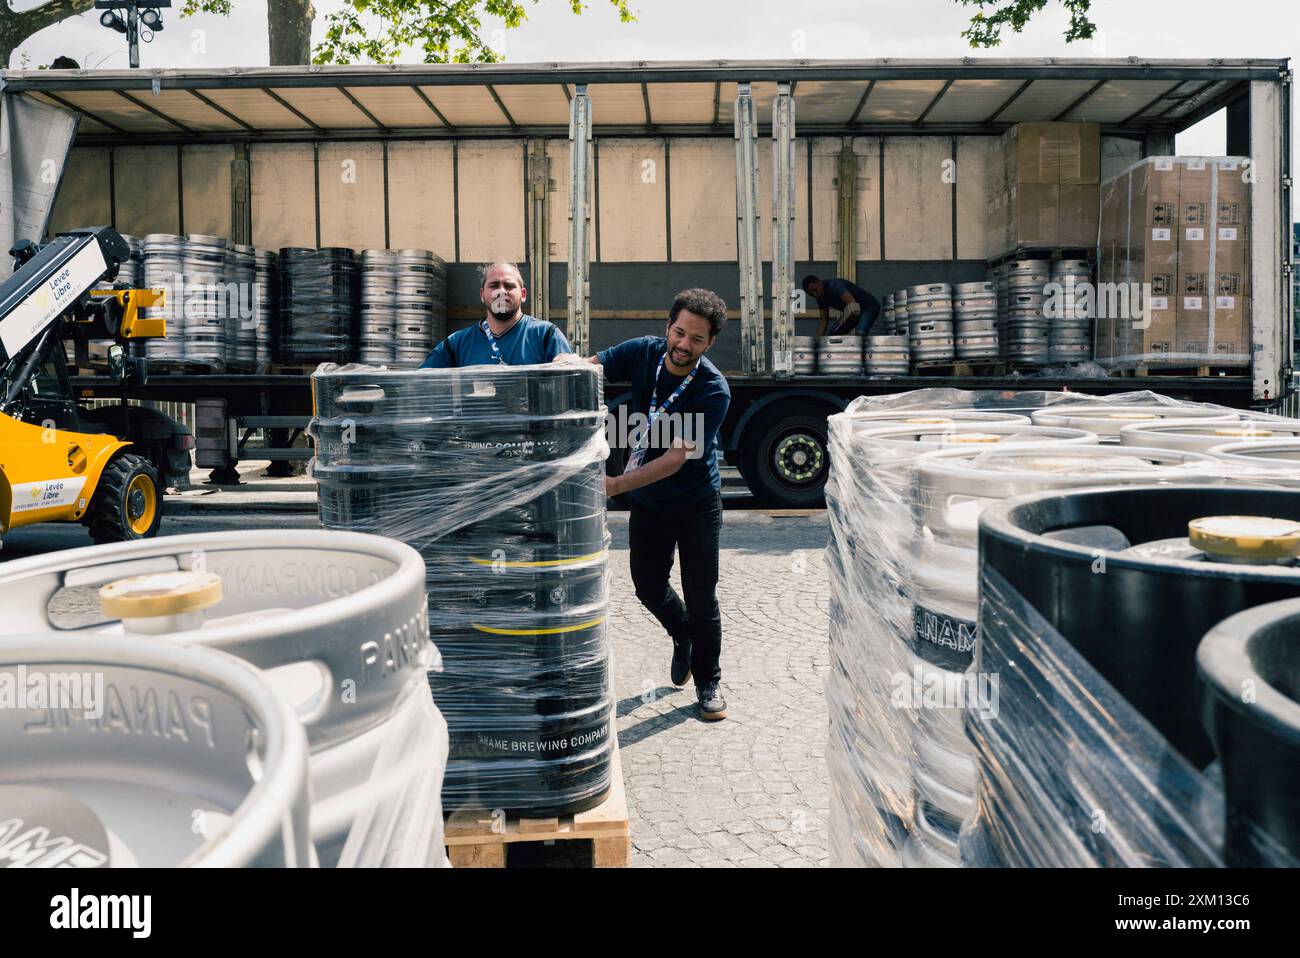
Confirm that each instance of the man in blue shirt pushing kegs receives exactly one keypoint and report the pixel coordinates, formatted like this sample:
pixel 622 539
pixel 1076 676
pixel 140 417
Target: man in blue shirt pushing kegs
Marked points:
pixel 679 400
pixel 506 336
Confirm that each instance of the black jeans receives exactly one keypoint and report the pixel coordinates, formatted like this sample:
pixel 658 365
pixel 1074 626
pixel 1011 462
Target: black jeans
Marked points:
pixel 694 530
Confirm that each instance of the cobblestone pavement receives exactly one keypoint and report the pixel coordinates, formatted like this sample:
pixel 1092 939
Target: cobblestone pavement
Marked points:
pixel 750 790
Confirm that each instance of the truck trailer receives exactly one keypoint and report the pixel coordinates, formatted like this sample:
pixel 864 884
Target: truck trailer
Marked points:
pixel 616 184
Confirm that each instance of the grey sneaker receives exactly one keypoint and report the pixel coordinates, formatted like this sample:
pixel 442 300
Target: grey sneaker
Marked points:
pixel 712 705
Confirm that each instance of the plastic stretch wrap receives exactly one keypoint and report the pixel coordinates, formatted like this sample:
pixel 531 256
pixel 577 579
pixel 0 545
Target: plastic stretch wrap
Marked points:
pixel 904 579
pixel 496 475
pixel 320 305
pixel 1069 773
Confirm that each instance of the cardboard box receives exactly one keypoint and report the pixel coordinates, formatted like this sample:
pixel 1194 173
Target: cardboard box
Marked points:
pixel 1054 154
pixel 1192 265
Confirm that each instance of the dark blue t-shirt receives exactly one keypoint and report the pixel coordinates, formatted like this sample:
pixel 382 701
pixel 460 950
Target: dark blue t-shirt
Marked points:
pixel 527 343
pixel 832 297
pixel 708 396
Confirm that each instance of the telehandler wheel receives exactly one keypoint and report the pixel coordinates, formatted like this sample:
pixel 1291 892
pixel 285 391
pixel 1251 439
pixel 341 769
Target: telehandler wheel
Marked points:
pixel 128 503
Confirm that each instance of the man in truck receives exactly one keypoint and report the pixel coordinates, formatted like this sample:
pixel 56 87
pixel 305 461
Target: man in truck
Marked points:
pixel 858 309
pixel 672 481
pixel 506 336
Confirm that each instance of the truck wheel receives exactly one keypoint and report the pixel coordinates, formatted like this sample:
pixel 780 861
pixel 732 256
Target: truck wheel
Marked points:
pixel 128 502
pixel 785 462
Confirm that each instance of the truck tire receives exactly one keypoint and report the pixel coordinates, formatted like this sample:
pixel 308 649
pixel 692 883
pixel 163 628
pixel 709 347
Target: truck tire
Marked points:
pixel 784 456
pixel 128 501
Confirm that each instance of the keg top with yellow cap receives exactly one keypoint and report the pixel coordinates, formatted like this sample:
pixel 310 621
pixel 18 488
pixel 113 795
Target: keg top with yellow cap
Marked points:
pixel 1245 537
pixel 160 593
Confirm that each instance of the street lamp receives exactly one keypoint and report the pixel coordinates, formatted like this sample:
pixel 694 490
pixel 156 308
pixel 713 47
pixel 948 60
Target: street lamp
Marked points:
pixel 126 16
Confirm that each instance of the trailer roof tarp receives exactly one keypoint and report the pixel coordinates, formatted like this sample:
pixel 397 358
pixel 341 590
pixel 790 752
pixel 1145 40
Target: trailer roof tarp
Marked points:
pixel 834 97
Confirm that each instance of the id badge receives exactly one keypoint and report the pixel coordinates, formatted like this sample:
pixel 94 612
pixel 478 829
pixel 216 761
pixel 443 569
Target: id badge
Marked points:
pixel 634 461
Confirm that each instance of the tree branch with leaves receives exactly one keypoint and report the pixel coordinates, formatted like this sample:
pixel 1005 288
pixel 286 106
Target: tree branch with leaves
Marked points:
pixel 985 29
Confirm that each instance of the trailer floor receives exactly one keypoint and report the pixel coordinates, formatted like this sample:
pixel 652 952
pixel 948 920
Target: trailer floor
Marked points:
pixel 749 791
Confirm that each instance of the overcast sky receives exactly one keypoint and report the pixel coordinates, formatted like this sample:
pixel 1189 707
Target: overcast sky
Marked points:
pixel 749 29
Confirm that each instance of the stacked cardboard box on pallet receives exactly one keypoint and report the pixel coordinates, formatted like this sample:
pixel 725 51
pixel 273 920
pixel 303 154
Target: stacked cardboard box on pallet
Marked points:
pixel 1174 283
pixel 1047 193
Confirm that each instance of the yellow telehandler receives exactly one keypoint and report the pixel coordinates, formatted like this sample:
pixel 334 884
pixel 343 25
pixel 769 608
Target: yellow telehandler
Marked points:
pixel 106 468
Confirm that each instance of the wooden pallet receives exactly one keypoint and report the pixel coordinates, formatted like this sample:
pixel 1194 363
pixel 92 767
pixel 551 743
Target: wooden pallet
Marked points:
pixel 963 368
pixel 477 840
pixel 1187 370
pixel 292 369
pixel 178 367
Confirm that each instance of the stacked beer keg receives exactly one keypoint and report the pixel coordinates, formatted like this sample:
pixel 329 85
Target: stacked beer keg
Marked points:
pixel 161 269
pixel 886 355
pixel 207 327
pixel 929 317
pixel 886 319
pixel 319 300
pixel 805 355
pixel 975 321
pixel 997 275
pixel 266 303
pixel 1025 342
pixel 496 476
pixel 901 326
pixel 242 313
pixel 419 278
pixel 378 306
pixel 839 355
pixel 1070 323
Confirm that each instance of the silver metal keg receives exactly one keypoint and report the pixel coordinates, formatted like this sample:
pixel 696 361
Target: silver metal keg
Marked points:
pixel 1107 419
pixel 154 754
pixel 805 355
pixel 839 355
pixel 1274 462
pixel 886 355
pixel 1197 437
pixel 337 622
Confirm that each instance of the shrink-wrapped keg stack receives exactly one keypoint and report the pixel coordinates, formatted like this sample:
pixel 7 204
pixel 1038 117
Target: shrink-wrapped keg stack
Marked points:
pixel 805 355
pixel 975 321
pixel 266 303
pixel 1026 342
pixel 930 319
pixel 420 305
pixel 1070 319
pixel 496 476
pixel 319 305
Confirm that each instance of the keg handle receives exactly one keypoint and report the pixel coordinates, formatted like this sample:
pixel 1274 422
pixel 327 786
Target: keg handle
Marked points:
pixel 372 392
pixel 960 520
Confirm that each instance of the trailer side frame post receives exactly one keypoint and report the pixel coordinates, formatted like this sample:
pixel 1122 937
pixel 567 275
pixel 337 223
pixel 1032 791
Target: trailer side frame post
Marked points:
pixel 1270 255
pixel 846 235
pixel 539 226
pixel 580 161
pixel 753 345
pixel 783 214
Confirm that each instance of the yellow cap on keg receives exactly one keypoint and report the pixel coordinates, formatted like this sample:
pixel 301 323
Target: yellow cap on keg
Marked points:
pixel 160 593
pixel 928 421
pixel 1245 537
pixel 971 437
pixel 1132 415
pixel 1249 433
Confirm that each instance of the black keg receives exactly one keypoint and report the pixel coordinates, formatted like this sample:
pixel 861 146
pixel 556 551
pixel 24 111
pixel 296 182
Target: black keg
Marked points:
pixel 1249 666
pixel 463 464
pixel 320 306
pixel 1112 572
pixel 1092 604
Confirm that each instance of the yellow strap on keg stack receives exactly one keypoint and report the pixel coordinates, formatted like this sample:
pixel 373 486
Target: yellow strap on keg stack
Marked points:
pixel 160 593
pixel 1245 537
